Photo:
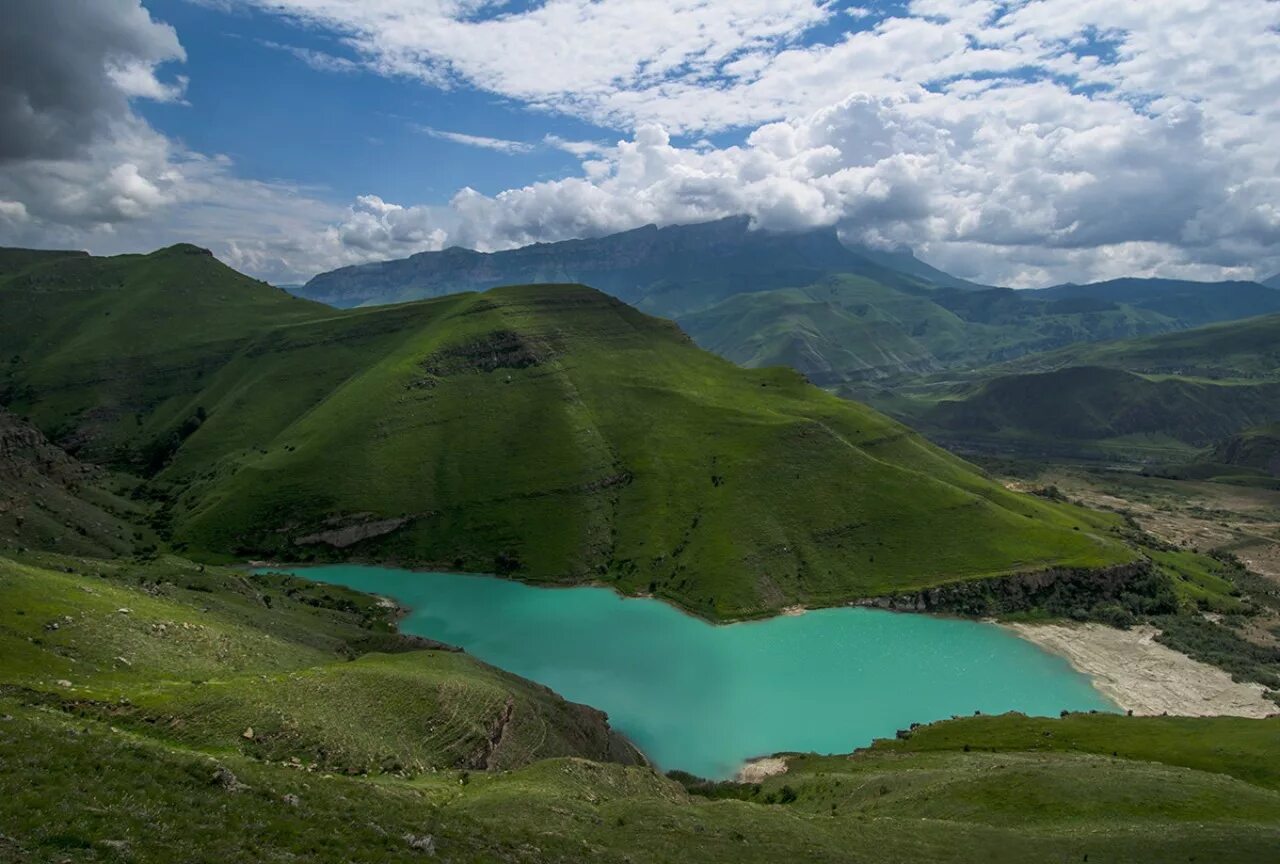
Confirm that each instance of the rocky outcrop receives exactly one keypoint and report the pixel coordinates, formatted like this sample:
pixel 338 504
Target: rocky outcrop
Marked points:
pixel 1060 590
pixel 342 536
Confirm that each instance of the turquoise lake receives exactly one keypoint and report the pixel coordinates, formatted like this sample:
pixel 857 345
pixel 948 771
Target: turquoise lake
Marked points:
pixel 704 698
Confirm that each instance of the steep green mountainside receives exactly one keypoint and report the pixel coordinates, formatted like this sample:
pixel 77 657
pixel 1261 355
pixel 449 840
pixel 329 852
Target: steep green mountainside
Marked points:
pixel 549 433
pixel 49 500
pixel 1158 398
pixel 272 719
pixel 102 353
pixel 665 271
pixel 13 260
pixel 853 331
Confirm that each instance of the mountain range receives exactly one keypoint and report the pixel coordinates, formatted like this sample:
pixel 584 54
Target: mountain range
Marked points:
pixel 836 313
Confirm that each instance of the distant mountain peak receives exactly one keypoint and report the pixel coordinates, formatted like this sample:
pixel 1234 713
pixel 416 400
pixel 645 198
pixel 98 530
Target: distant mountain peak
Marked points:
pixel 670 271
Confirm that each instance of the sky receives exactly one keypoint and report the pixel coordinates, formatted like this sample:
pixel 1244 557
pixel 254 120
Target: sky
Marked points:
pixel 1013 142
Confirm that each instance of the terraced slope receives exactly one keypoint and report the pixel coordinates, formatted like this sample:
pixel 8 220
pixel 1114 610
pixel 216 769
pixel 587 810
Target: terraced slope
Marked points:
pixel 549 433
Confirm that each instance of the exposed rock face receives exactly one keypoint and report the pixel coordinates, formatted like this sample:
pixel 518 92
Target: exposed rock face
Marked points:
pixel 1057 588
pixel 349 535
pixel 48 497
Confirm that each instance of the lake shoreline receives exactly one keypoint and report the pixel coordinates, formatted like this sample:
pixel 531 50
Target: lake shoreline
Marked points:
pixel 1142 676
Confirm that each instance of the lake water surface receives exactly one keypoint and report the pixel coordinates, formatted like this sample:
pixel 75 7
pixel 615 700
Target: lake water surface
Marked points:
pixel 703 698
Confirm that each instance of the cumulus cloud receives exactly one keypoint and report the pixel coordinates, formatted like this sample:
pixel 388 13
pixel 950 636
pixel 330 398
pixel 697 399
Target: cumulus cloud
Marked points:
pixel 68 70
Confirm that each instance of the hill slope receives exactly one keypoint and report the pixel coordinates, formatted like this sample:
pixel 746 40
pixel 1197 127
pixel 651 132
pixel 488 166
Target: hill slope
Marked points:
pixel 1162 394
pixel 550 433
pixel 49 500
pixel 853 329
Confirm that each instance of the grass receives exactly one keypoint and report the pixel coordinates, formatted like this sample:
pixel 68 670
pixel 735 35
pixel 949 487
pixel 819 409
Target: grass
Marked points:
pixel 197 656
pixel 151 802
pixel 547 433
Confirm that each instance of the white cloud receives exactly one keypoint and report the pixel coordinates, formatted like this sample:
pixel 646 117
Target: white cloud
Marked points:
pixel 501 145
pixel 321 61
pixel 1015 142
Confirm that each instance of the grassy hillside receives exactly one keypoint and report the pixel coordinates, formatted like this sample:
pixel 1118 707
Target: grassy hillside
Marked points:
pixel 272 668
pixel 549 433
pixel 855 329
pixel 1159 398
pixel 272 719
pixel 103 353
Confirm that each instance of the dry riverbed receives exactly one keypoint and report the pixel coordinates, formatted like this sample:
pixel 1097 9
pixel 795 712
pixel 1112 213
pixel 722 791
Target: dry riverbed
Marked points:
pixel 1140 675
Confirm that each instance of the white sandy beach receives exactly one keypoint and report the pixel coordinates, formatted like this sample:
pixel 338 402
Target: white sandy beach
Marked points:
pixel 1140 675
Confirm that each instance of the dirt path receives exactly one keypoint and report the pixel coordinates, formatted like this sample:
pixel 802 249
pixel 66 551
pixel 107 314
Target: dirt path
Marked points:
pixel 1139 674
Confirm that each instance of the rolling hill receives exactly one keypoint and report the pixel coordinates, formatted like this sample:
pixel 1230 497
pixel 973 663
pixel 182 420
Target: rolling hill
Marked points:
pixel 548 433
pixel 1159 397
pixel 836 313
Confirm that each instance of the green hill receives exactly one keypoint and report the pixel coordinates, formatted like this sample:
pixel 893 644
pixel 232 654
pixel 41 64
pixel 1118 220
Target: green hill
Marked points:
pixel 271 667
pixel 1159 398
pixel 855 329
pixel 549 433
pixel 1256 449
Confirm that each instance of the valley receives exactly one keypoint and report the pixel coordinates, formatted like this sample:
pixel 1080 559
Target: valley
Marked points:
pixel 634 495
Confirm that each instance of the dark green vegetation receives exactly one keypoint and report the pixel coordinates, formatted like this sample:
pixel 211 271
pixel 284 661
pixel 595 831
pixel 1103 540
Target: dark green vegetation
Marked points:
pixel 837 314
pixel 1163 399
pixel 167 711
pixel 860 331
pixel 549 433
pixel 50 500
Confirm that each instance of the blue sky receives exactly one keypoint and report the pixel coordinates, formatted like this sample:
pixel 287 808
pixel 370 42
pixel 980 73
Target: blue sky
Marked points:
pixel 342 133
pixel 1017 142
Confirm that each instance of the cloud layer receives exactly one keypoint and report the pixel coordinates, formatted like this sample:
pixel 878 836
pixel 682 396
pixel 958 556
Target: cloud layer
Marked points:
pixel 1014 142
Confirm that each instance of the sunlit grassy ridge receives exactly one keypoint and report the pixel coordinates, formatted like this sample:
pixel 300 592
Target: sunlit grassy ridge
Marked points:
pixel 547 432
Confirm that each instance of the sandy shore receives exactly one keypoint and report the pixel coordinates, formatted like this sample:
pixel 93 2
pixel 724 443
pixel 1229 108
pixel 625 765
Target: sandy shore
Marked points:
pixel 1143 676
pixel 760 769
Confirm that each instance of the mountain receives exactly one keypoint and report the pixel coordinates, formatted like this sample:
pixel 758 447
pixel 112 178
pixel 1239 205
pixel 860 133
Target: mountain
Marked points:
pixel 666 271
pixel 1272 282
pixel 550 433
pixel 1155 397
pixel 1189 304
pixel 850 329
